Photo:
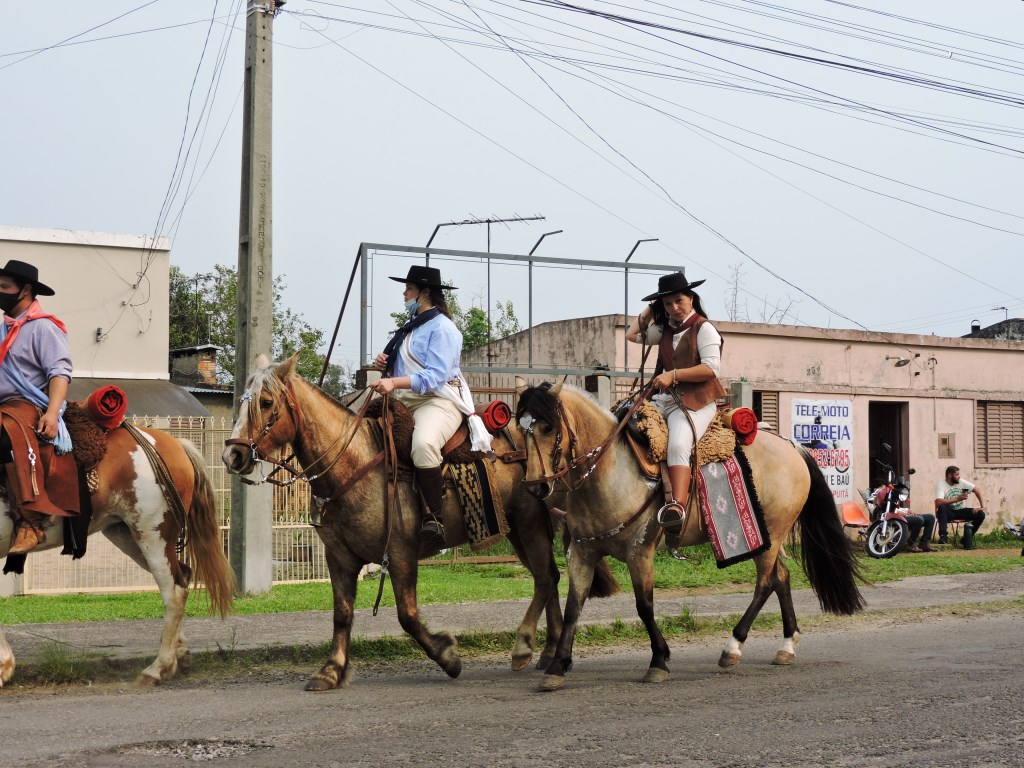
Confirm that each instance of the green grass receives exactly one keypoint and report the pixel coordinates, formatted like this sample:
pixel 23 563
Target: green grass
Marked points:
pixel 460 583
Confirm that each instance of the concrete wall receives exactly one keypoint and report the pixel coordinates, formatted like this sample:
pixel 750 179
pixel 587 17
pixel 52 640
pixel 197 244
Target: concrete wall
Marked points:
pixel 96 276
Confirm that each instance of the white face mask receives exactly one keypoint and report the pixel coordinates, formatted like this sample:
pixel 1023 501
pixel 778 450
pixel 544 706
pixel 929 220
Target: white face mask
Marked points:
pixel 412 306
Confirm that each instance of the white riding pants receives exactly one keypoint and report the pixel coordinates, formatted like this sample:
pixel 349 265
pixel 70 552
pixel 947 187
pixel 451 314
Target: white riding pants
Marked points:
pixel 680 436
pixel 437 419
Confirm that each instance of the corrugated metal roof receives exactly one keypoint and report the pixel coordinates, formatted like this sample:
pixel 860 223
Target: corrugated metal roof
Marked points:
pixel 146 397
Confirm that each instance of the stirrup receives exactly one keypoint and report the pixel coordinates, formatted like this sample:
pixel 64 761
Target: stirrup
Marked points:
pixel 671 516
pixel 432 530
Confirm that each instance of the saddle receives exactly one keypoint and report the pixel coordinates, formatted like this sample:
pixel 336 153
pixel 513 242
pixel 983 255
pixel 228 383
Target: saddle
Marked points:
pixel 647 437
pixel 465 471
pixel 455 451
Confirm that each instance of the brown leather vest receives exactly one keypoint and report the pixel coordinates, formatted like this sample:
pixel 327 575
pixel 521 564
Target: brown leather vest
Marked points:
pixel 694 395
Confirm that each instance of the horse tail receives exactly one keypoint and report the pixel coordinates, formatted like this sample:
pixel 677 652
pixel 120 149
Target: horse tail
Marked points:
pixel 827 555
pixel 204 547
pixel 604 583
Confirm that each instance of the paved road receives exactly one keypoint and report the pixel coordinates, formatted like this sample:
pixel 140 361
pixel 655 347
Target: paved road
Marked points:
pixel 938 689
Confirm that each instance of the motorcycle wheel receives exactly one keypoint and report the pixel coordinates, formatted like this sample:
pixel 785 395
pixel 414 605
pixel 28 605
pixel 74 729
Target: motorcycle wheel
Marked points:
pixel 891 543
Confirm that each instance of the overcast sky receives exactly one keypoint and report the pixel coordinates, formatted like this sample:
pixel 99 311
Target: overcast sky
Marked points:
pixel 861 162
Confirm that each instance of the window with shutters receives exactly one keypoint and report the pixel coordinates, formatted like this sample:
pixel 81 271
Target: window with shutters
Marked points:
pixel 766 406
pixel 999 432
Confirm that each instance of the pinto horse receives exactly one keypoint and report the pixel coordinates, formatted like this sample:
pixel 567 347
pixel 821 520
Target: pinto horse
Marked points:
pixel 611 511
pixel 362 523
pixel 131 509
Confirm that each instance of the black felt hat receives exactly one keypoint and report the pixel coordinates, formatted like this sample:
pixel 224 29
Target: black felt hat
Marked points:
pixel 420 275
pixel 25 271
pixel 674 283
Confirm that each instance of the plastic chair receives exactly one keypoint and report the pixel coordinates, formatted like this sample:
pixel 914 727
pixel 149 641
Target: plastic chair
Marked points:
pixel 855 517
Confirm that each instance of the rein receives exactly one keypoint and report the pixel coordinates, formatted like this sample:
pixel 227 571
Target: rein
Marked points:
pixel 590 459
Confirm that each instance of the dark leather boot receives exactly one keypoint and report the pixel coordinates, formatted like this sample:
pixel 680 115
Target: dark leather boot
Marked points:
pixel 431 485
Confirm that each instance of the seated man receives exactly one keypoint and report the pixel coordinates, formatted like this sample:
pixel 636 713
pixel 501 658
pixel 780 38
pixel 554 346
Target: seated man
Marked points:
pixel 950 495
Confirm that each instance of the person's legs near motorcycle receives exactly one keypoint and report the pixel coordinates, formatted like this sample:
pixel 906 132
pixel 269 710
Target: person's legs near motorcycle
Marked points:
pixel 914 524
pixel 437 420
pixel 926 533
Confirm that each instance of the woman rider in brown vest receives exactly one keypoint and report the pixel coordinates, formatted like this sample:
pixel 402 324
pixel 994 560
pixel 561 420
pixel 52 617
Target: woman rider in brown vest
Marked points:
pixel 689 357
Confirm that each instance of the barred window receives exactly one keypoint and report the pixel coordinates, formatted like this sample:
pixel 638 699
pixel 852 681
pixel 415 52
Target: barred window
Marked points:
pixel 766 406
pixel 999 432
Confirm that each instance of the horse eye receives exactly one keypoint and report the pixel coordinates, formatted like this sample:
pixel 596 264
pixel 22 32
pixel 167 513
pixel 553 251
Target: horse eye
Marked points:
pixel 545 429
pixel 266 403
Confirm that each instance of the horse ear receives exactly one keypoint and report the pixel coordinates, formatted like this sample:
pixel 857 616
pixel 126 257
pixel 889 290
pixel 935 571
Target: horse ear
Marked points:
pixel 262 361
pixel 521 386
pixel 287 368
pixel 558 386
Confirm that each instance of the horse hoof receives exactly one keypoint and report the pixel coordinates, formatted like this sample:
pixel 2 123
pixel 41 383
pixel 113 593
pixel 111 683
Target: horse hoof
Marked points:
pixel 519 663
pixel 545 660
pixel 656 675
pixel 185 662
pixel 453 667
pixel 147 681
pixel 551 683
pixel 784 658
pixel 728 659
pixel 319 684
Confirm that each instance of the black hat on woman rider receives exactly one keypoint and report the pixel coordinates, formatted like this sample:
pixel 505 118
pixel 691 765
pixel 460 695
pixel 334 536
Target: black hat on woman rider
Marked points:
pixel 673 283
pixel 428 276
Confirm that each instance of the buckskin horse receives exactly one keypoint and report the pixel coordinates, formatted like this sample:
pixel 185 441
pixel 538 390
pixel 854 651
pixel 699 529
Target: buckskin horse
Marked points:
pixel 611 511
pixel 340 457
pixel 131 508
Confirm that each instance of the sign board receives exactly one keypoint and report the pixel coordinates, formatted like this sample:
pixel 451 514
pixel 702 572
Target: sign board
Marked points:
pixel 825 428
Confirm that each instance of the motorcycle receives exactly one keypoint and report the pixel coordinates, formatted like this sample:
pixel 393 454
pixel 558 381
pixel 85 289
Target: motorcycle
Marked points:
pixel 889 531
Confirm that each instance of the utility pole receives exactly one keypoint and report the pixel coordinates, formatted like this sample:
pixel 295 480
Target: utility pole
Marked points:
pixel 251 506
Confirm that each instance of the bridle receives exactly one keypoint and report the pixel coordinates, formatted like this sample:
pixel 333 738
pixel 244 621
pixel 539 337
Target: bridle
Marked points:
pixel 587 463
pixel 296 473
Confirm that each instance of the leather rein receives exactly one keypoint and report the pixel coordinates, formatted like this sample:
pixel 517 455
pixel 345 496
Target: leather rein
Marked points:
pixel 589 460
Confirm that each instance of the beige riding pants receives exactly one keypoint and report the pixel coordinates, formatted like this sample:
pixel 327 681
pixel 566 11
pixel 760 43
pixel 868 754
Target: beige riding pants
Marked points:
pixel 680 436
pixel 437 420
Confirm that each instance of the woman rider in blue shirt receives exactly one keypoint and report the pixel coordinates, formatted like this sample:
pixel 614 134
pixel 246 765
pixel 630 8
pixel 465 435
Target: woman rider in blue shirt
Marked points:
pixel 421 367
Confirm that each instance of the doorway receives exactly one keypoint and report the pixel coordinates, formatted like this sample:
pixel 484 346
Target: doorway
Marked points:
pixel 888 422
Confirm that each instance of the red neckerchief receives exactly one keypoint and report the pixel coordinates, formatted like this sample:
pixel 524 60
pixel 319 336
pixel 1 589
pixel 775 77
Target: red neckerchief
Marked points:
pixel 34 312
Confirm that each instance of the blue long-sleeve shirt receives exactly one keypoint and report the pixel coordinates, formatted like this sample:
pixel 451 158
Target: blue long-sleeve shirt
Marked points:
pixel 437 346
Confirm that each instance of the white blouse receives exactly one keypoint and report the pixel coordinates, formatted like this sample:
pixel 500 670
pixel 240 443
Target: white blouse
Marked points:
pixel 709 343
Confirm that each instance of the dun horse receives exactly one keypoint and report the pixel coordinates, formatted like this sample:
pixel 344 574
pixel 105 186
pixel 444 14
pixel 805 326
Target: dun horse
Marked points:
pixel 130 508
pixel 362 524
pixel 607 515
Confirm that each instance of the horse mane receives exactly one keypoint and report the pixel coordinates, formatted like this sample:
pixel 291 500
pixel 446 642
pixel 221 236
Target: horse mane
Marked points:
pixel 267 378
pixel 543 406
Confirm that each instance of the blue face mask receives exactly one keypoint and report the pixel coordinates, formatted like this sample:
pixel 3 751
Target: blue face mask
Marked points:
pixel 412 306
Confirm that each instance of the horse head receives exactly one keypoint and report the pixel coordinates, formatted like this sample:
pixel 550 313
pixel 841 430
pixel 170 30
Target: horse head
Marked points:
pixel 548 434
pixel 267 418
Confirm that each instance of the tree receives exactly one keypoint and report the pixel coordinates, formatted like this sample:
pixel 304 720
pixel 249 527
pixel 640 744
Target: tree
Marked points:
pixel 473 323
pixel 771 315
pixel 203 311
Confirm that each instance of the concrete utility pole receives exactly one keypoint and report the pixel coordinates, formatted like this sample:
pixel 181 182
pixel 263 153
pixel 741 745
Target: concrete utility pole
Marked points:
pixel 251 506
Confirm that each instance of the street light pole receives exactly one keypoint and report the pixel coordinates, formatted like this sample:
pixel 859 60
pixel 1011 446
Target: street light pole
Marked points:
pixel 625 309
pixel 529 320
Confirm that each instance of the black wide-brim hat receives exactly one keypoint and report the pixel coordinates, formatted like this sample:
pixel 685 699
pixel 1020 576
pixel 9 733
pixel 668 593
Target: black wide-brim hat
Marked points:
pixel 428 276
pixel 673 283
pixel 25 271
